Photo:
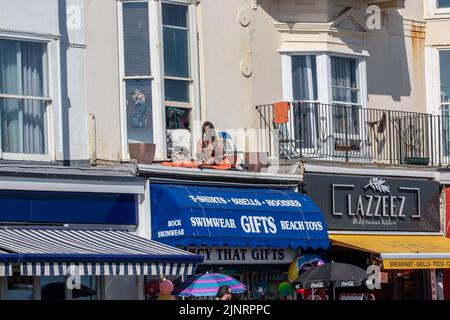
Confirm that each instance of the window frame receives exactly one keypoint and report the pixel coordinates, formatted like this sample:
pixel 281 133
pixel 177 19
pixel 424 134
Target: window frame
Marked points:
pixel 435 12
pixel 157 78
pixel 311 117
pixel 189 80
pixel 324 84
pixel 51 45
pixel 443 10
pixel 441 103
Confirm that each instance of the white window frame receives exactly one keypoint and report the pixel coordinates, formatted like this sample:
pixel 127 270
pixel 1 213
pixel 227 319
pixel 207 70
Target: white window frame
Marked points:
pixel 433 78
pixel 433 92
pixel 324 83
pixel 441 104
pixel 158 76
pixel 362 83
pixel 432 10
pixel 53 86
pixel 287 63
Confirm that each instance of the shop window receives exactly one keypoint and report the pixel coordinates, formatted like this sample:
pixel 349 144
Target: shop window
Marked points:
pixel 53 288
pixel 20 287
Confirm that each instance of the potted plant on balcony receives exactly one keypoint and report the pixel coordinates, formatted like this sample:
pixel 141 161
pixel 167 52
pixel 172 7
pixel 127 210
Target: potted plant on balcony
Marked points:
pixel 413 140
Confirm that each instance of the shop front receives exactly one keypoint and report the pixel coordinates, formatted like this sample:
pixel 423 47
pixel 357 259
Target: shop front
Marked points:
pixel 253 234
pixel 76 239
pixel 387 222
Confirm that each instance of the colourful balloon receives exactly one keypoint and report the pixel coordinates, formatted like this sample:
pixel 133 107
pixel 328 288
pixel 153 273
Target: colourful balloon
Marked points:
pixel 284 289
pixel 152 287
pixel 166 287
pixel 293 271
pixel 303 263
pixel 308 261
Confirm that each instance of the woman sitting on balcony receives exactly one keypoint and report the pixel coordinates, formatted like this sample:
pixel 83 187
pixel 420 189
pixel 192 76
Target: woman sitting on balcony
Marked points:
pixel 209 153
pixel 210 149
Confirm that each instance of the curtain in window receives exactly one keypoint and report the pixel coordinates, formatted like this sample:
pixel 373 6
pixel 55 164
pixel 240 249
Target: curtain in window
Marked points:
pixel 444 64
pixel 304 81
pixel 136 44
pixel 345 92
pixel 23 121
pixel 136 39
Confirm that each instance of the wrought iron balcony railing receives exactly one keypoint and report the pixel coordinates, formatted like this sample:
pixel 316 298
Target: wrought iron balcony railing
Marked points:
pixel 350 133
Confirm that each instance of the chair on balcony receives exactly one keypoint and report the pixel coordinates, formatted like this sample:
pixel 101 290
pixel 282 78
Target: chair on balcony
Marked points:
pixel 230 150
pixel 287 144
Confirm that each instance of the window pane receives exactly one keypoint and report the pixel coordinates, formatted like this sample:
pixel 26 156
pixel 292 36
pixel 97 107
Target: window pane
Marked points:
pixel 53 288
pixel 139 111
pixel 443 3
pixel 20 287
pixel 304 77
pixel 446 129
pixel 344 80
pixel 87 290
pixel 23 68
pixel 176 54
pixel 23 126
pixel 136 40
pixel 346 119
pixel 177 90
pixel 174 15
pixel 177 118
pixel 445 75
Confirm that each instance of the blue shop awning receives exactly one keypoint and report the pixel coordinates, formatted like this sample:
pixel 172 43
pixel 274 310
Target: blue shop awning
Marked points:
pixel 48 252
pixel 238 217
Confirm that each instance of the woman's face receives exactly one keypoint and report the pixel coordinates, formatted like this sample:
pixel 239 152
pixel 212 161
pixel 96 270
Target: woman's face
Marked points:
pixel 207 133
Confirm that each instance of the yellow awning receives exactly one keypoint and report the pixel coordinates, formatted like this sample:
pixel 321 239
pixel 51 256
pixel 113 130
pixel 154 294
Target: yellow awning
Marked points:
pixel 401 252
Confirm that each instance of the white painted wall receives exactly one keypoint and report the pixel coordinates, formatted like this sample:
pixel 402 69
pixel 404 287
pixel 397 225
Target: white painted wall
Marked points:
pixel 25 15
pixel 102 76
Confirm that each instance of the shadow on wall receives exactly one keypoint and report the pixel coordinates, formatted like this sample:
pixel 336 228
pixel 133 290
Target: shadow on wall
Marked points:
pixel 388 64
pixel 65 100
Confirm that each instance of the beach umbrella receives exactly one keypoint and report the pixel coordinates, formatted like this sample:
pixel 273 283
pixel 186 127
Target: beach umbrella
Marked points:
pixel 335 275
pixel 206 285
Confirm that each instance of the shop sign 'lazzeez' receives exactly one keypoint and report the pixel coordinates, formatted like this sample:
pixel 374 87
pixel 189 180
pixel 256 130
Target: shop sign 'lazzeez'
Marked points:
pixel 367 203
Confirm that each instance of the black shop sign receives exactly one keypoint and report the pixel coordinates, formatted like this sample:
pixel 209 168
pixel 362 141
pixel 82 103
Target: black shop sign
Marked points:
pixel 373 203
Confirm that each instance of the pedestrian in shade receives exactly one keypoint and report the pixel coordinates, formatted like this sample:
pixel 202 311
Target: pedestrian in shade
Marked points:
pixel 224 293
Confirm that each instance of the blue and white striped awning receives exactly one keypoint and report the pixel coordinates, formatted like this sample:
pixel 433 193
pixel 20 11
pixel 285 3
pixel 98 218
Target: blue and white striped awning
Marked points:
pixel 5 270
pixel 48 252
pixel 5 267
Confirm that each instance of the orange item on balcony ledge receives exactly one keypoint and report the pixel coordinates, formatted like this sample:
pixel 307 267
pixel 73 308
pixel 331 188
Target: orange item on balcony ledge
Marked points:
pixel 281 112
pixel 224 165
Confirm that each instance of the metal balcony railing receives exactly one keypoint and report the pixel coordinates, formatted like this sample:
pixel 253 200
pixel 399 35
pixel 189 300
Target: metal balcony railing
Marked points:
pixel 351 133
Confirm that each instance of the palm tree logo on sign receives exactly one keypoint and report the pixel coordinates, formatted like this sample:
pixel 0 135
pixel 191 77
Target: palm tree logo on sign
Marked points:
pixel 377 184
